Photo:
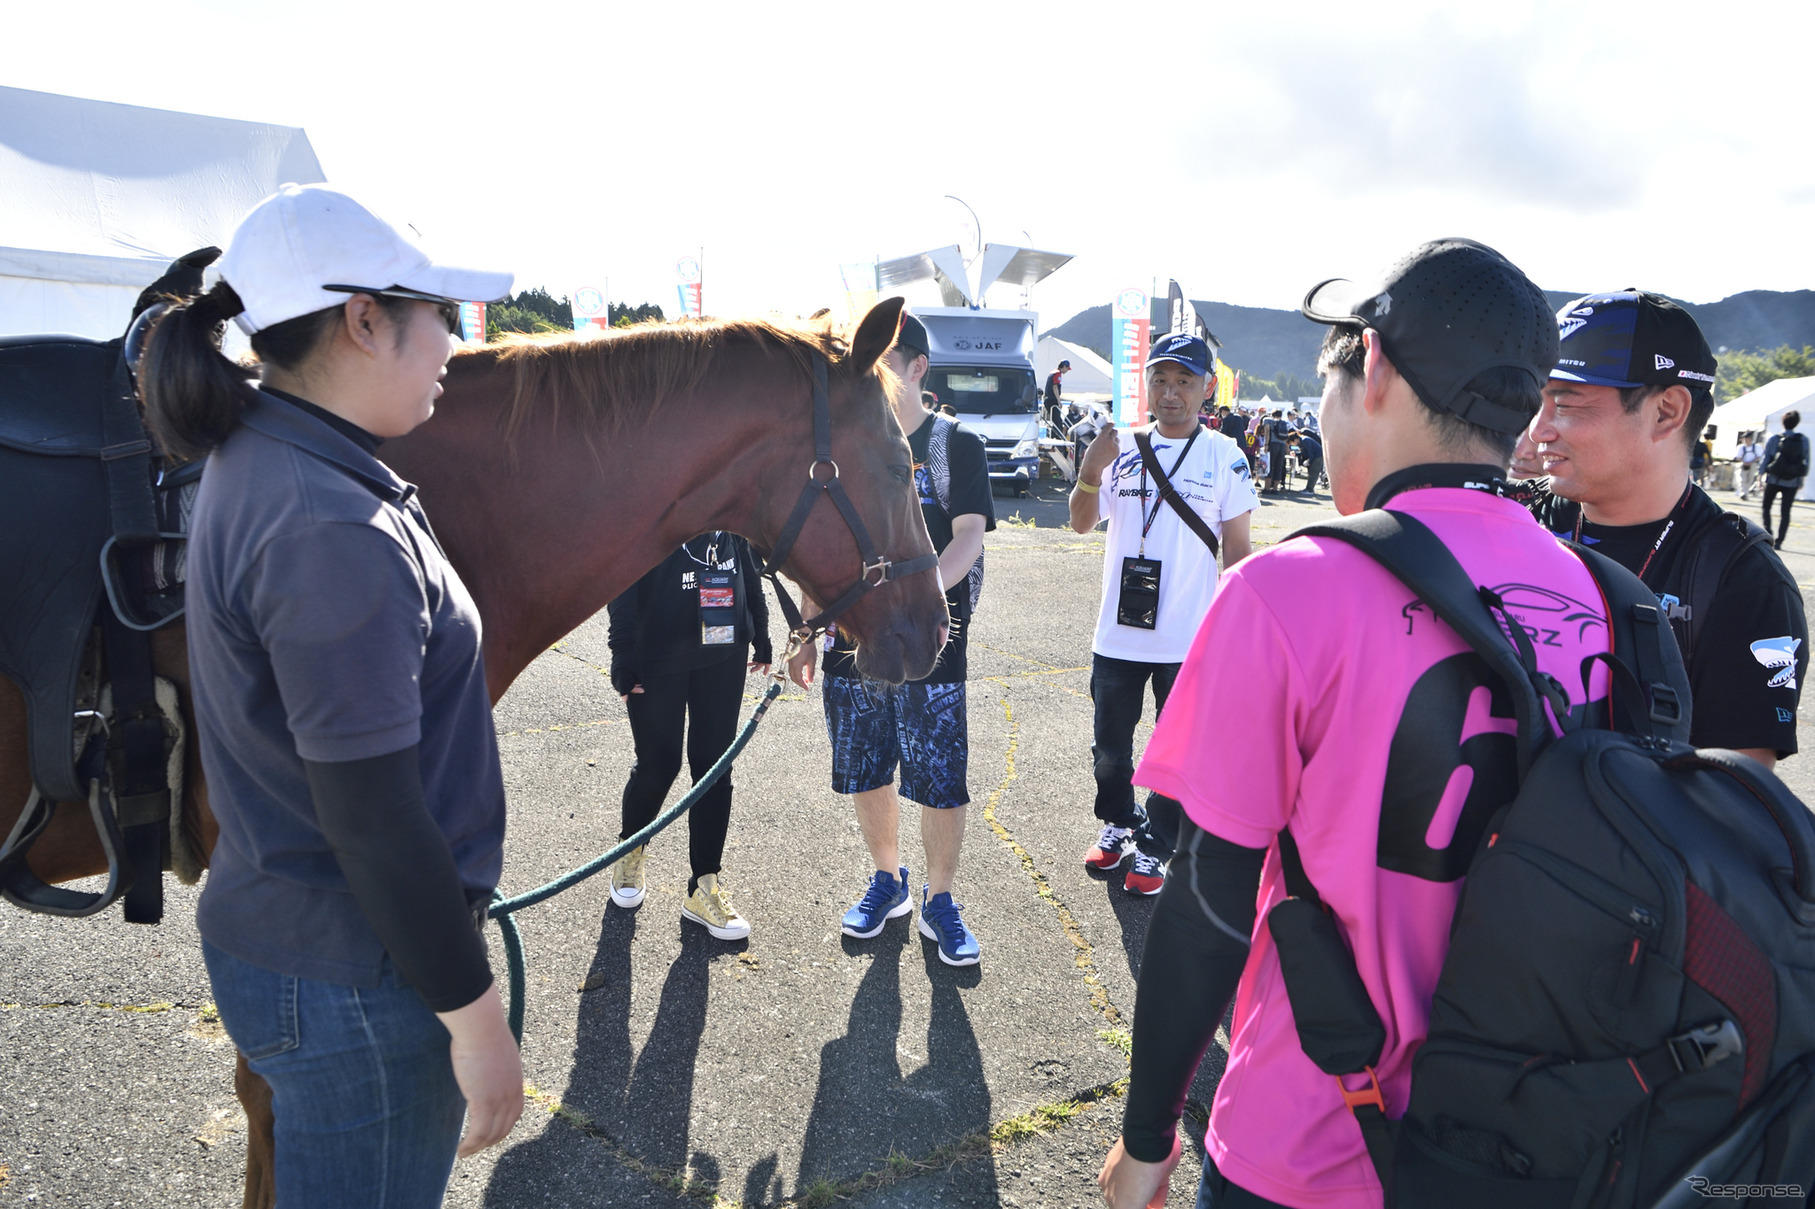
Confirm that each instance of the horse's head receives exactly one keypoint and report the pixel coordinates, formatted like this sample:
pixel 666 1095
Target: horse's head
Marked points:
pixel 900 625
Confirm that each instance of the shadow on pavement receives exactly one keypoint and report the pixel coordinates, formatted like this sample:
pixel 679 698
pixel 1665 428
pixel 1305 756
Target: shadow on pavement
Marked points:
pixel 642 1101
pixel 865 1108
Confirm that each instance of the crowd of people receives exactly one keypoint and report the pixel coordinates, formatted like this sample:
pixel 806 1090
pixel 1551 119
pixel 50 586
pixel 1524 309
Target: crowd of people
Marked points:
pixel 347 735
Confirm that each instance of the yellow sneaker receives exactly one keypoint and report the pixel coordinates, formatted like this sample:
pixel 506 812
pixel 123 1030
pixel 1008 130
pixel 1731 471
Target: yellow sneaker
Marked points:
pixel 710 905
pixel 627 878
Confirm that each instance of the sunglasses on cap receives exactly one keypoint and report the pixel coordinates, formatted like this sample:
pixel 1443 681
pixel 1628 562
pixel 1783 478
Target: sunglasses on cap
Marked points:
pixel 450 309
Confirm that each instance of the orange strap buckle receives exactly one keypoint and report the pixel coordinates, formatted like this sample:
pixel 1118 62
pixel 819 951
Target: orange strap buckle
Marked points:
pixel 1367 1095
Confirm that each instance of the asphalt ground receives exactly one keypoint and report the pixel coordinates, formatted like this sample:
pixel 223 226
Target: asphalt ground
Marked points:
pixel 798 1067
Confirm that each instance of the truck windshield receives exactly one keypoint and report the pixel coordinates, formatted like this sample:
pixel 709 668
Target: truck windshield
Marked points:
pixel 983 390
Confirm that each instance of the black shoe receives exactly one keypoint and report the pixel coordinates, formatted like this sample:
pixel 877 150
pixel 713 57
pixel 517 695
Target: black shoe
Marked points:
pixel 1778 544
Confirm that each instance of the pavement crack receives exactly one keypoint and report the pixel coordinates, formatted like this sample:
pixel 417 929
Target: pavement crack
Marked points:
pixel 1085 958
pixel 159 1006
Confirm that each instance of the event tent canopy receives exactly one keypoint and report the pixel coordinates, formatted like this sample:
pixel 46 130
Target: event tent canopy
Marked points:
pixel 1762 410
pixel 1090 377
pixel 98 198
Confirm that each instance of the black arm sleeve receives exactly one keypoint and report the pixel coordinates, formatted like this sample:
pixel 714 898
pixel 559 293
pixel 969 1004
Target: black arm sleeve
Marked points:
pixel 396 861
pixel 1197 944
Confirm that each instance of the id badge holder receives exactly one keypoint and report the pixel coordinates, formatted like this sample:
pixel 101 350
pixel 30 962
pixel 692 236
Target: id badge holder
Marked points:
pixel 718 607
pixel 1138 605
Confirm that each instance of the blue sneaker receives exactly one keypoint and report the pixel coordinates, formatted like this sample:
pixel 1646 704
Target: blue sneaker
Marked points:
pixel 886 899
pixel 940 921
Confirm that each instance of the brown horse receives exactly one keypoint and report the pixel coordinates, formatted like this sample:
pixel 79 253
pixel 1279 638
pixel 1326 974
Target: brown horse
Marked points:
pixel 556 471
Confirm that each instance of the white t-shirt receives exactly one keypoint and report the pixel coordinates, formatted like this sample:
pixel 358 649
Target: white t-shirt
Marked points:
pixel 1214 480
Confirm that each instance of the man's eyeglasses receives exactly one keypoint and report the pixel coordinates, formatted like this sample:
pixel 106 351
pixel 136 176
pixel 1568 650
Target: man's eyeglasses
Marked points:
pixel 450 309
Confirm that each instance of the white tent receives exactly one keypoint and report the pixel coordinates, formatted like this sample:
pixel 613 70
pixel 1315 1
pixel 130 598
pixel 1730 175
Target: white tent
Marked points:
pixel 1089 378
pixel 1762 410
pixel 96 199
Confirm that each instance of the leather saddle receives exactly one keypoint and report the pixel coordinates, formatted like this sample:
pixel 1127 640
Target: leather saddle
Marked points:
pixel 90 550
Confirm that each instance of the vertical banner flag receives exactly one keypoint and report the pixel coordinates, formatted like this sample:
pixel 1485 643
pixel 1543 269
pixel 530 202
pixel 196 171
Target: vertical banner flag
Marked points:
pixel 590 309
pixel 1225 386
pixel 859 289
pixel 1128 336
pixel 688 270
pixel 472 322
pixel 1181 314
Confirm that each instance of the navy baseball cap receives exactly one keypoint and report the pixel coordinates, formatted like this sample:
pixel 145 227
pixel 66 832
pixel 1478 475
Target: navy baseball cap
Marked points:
pixel 1631 338
pixel 1445 312
pixel 912 336
pixel 1188 350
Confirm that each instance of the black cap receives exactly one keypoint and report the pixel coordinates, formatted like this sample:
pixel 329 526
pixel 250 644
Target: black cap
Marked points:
pixel 912 336
pixel 1445 312
pixel 1631 338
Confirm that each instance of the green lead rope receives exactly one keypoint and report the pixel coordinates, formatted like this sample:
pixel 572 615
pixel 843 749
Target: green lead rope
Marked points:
pixel 502 908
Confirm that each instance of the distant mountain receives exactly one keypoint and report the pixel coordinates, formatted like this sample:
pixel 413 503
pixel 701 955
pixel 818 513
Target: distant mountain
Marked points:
pixel 1266 343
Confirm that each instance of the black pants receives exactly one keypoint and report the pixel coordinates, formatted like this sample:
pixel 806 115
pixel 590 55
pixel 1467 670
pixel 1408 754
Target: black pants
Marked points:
pixel 1276 465
pixel 1313 469
pixel 1117 689
pixel 706 701
pixel 1789 497
pixel 1216 1191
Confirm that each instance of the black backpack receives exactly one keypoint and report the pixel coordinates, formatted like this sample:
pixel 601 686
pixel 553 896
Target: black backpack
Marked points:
pixel 1626 1016
pixel 1792 458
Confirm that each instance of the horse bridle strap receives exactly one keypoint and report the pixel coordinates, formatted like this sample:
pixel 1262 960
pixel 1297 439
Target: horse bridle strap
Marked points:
pixel 877 570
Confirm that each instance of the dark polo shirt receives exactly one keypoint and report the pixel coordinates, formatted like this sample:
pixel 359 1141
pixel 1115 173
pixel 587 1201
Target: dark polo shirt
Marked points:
pixel 325 624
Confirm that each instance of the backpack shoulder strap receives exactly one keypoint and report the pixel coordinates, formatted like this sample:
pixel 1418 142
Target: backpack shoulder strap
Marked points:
pixel 1706 561
pixel 1418 559
pixel 1640 632
pixel 939 461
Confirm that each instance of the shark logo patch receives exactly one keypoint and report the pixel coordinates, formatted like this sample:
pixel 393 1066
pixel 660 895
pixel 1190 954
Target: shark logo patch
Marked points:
pixel 1778 654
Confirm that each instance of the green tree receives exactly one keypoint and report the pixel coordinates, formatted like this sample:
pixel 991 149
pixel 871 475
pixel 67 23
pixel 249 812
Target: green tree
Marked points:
pixel 623 314
pixel 530 312
pixel 1741 371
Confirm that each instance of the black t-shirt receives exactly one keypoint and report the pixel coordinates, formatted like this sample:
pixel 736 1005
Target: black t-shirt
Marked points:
pixel 1235 426
pixel 1751 651
pixel 1309 448
pixel 968 468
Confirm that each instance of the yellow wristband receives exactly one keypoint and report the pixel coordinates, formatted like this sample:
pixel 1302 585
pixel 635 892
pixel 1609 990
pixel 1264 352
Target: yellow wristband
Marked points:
pixel 1086 488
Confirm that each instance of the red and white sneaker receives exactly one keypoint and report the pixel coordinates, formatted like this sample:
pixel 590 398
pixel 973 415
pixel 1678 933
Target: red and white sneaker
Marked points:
pixel 1146 877
pixel 1111 848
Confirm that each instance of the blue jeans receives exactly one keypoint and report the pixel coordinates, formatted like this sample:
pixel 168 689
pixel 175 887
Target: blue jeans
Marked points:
pixel 1117 689
pixel 362 1087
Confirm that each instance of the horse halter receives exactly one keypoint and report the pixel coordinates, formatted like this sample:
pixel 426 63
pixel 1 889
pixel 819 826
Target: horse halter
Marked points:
pixel 877 570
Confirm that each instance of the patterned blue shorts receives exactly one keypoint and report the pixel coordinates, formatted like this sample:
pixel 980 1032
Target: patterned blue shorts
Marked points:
pixel 921 727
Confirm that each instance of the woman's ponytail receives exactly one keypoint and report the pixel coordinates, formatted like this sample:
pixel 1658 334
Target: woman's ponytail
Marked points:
pixel 193 394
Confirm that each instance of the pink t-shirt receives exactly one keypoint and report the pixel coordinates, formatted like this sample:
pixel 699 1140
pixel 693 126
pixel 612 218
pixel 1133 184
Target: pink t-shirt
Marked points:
pixel 1321 693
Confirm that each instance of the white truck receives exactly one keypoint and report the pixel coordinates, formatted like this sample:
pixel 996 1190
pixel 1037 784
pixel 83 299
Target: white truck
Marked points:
pixel 982 361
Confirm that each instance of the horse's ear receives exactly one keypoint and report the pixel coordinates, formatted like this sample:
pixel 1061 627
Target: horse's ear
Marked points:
pixel 875 334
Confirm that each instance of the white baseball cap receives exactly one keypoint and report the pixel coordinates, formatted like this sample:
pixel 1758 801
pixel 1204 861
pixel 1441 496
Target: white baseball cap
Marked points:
pixel 296 245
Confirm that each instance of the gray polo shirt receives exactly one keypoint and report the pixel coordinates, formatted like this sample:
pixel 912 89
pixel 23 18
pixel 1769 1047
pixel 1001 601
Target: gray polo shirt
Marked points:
pixel 325 624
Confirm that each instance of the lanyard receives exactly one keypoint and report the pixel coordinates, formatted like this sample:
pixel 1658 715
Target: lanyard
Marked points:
pixel 711 560
pixel 1659 543
pixel 1158 503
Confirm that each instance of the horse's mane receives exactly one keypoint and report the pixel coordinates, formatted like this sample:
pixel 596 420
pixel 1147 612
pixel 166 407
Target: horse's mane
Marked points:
pixel 620 376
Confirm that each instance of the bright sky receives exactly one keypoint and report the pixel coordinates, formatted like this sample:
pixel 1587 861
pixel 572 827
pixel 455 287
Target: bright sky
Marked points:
pixel 1249 151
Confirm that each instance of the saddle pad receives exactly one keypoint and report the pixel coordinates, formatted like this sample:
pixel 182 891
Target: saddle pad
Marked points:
pixel 50 393
pixel 54 519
